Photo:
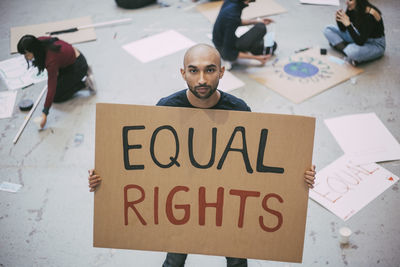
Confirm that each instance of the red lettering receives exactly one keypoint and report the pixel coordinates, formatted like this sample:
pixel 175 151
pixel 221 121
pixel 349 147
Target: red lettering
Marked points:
pixel 274 212
pixel 131 204
pixel 139 193
pixel 243 194
pixel 156 205
pixel 218 205
pixel 328 195
pixel 186 207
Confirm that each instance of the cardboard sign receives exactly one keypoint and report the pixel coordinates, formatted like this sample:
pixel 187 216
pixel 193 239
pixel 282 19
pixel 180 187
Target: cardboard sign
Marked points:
pixel 38 30
pixel 202 181
pixel 305 74
pixel 345 187
pixel 257 9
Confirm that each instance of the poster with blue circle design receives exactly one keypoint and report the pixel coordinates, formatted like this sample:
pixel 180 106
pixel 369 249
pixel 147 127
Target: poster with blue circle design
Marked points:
pixel 303 75
pixel 305 69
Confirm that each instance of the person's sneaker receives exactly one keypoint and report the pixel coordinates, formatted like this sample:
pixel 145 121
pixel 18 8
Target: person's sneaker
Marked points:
pixel 269 51
pixel 89 81
pixel 350 61
pixel 227 65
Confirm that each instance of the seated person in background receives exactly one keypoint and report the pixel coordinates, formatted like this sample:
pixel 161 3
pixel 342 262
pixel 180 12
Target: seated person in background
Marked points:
pixel 67 69
pixel 359 33
pixel 251 44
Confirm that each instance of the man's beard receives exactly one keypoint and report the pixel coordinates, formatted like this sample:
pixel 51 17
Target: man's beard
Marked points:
pixel 210 92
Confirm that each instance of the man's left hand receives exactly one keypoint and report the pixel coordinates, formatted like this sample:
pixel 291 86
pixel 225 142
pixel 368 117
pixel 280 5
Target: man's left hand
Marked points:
pixel 309 177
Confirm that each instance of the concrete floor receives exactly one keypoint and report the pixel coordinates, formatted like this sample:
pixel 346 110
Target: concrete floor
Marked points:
pixel 49 221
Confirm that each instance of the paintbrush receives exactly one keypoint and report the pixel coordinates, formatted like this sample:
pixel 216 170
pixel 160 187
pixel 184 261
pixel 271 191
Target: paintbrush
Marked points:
pixel 301 50
pixel 75 29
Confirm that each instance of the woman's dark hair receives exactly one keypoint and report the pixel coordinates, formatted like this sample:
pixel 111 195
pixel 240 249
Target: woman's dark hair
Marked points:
pixel 361 6
pixel 29 43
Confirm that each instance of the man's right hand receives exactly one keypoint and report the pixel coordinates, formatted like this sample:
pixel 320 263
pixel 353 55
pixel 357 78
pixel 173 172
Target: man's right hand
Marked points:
pixel 267 21
pixel 263 58
pixel 94 180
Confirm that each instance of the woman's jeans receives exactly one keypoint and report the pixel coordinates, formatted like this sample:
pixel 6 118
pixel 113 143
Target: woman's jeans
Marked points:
pixel 373 48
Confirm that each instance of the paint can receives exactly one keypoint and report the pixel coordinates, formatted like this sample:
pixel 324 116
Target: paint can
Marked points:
pixel 345 234
pixel 25 104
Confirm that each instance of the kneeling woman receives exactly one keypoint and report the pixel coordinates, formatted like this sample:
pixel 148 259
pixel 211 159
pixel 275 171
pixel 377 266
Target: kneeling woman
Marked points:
pixel 67 69
pixel 359 33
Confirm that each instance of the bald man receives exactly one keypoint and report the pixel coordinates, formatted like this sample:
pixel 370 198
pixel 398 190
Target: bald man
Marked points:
pixel 202 71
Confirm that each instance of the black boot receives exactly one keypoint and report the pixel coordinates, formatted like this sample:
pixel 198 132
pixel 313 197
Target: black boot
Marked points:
pixel 269 48
pixel 340 46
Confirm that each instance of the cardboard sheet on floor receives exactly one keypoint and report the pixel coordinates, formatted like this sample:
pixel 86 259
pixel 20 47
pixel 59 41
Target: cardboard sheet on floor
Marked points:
pixel 169 185
pixel 344 187
pixel 7 103
pixel 305 74
pixel 364 138
pixel 321 2
pixel 16 74
pixel 158 45
pixel 229 82
pixel 261 8
pixel 80 36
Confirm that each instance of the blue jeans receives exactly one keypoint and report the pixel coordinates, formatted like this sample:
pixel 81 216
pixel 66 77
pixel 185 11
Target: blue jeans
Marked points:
pixel 178 260
pixel 373 48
